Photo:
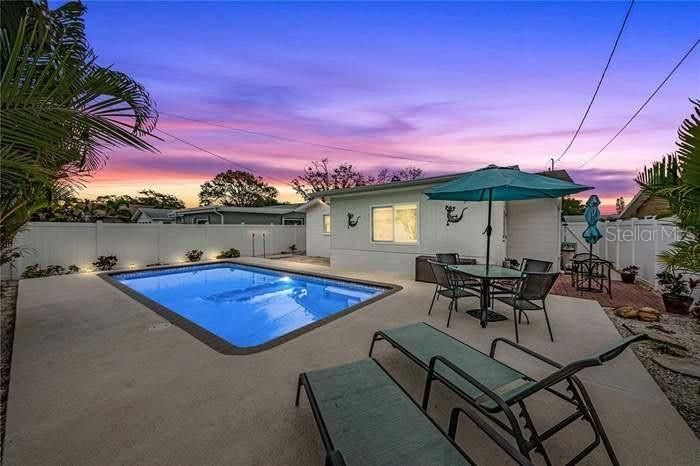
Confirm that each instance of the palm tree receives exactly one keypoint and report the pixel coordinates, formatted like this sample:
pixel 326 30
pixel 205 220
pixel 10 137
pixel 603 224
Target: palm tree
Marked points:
pixel 676 178
pixel 60 113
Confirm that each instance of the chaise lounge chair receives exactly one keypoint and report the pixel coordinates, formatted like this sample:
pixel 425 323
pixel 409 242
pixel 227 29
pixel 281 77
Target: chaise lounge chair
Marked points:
pixel 492 387
pixel 365 418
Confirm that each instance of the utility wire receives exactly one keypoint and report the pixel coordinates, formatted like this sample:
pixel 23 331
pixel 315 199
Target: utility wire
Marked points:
pixel 218 156
pixel 600 82
pixel 398 156
pixel 639 110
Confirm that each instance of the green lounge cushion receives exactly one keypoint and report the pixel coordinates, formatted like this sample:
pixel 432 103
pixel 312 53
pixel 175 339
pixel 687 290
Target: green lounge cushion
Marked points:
pixel 423 342
pixel 372 421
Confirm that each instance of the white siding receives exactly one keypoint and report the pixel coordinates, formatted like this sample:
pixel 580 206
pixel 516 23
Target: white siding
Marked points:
pixel 353 248
pixel 533 230
pixel 317 243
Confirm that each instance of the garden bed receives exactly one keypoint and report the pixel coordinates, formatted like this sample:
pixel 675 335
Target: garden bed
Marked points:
pixel 8 304
pixel 683 391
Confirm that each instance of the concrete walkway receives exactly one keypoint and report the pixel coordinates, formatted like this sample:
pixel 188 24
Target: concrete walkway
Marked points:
pixel 96 381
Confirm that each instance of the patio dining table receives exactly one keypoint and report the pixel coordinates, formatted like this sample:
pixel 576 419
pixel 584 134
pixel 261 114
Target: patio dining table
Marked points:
pixel 486 274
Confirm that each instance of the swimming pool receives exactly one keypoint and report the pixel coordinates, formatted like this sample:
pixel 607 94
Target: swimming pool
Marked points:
pixel 236 308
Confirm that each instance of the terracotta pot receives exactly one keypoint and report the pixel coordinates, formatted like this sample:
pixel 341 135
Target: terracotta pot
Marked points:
pixel 677 304
pixel 628 277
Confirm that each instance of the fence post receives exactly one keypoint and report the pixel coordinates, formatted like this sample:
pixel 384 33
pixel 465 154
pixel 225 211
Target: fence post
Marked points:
pixel 635 237
pixel 159 241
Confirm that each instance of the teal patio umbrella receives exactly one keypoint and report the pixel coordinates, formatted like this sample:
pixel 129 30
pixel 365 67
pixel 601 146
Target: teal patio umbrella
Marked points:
pixel 591 234
pixel 501 184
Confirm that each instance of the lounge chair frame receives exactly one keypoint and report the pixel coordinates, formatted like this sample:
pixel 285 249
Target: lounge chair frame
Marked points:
pixel 577 396
pixel 334 457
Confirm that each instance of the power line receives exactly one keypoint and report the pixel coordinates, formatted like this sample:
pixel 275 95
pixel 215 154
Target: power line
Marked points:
pixel 600 82
pixel 639 110
pixel 218 156
pixel 398 156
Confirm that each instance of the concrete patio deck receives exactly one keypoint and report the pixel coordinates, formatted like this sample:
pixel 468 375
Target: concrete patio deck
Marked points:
pixel 94 382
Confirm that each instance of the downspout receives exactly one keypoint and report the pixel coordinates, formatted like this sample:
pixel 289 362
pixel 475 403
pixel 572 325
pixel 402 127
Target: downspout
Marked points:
pixel 221 216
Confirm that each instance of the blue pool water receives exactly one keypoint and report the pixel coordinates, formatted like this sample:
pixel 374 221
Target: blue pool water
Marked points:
pixel 246 306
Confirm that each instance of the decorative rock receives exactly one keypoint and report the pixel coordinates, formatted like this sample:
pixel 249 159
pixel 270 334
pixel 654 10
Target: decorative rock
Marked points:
pixel 627 312
pixel 685 366
pixel 649 314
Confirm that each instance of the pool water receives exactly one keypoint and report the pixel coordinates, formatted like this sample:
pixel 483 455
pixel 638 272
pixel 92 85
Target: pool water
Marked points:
pixel 243 305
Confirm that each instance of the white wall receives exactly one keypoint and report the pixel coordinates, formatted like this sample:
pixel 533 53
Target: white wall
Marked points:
pixel 318 243
pixel 533 230
pixel 140 244
pixel 353 248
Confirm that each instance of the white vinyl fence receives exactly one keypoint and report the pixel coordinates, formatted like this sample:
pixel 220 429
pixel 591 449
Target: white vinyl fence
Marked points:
pixel 628 242
pixel 137 245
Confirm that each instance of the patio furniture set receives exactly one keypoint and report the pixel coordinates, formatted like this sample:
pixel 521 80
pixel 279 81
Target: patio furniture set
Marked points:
pixel 523 289
pixel 365 417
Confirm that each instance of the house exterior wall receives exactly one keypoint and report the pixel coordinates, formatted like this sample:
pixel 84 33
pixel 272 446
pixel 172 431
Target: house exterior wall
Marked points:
pixel 143 218
pixel 318 243
pixel 533 230
pixel 237 218
pixel 353 248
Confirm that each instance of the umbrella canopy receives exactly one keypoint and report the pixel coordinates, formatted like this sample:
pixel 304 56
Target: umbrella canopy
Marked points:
pixel 501 184
pixel 592 214
pixel 504 184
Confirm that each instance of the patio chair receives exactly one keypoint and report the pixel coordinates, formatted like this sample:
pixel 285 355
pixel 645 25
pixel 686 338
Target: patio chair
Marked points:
pixel 531 288
pixel 452 286
pixel 493 388
pixel 591 273
pixel 505 287
pixel 366 418
pixel 448 258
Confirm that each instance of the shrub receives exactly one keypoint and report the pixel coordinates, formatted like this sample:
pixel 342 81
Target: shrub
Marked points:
pixel 673 283
pixel 229 254
pixel 35 271
pixel 633 269
pixel 293 248
pixel 105 262
pixel 194 255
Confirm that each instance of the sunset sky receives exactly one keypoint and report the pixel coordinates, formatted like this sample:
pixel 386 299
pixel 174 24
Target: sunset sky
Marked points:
pixel 444 87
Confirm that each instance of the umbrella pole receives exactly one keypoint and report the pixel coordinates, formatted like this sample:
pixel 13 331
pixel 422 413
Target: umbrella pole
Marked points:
pixel 488 232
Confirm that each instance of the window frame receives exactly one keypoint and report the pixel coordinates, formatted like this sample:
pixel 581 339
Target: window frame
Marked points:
pixel 393 207
pixel 323 224
pixel 293 221
pixel 201 221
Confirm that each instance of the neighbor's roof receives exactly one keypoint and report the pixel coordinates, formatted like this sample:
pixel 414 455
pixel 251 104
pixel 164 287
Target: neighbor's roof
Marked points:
pixel 270 210
pixel 557 174
pixel 152 213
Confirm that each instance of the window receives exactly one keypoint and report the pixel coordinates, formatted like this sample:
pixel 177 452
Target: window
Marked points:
pixel 326 224
pixel 397 224
pixel 293 221
pixel 202 221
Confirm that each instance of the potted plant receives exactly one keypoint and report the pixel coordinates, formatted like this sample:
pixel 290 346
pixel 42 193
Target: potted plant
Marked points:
pixel 676 291
pixel 629 273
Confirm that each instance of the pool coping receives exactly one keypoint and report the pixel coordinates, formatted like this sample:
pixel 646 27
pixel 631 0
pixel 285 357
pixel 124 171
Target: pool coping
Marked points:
pixel 217 343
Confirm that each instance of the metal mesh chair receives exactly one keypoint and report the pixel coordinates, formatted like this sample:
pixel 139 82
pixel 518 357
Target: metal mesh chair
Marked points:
pixel 505 287
pixel 450 285
pixel 448 258
pixel 533 287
